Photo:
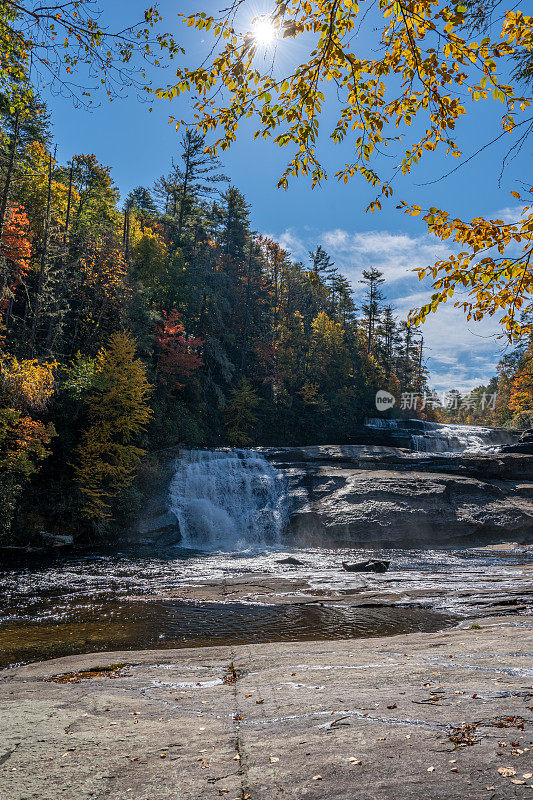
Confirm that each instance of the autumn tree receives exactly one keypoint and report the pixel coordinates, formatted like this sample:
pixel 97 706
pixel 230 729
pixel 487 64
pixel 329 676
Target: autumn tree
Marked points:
pixel 178 356
pixel 26 389
pixel 239 417
pixel 426 60
pixel 24 445
pixel 118 410
pixel 15 255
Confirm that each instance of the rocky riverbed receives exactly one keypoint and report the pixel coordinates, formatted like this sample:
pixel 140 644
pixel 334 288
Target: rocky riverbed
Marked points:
pixel 429 715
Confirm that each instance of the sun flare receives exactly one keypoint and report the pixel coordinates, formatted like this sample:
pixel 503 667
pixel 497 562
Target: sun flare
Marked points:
pixel 263 31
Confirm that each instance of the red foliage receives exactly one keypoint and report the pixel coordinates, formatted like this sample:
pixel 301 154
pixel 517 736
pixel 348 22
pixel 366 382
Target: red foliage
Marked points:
pixel 178 353
pixel 16 245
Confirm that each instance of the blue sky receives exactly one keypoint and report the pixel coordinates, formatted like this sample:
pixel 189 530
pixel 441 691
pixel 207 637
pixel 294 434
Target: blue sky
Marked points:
pixel 139 146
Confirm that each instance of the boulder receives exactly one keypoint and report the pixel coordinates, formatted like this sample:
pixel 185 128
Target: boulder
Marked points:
pixel 372 565
pixel 160 529
pixel 55 540
pixel 525 446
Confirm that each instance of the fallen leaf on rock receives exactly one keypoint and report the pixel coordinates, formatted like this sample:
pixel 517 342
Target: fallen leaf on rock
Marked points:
pixel 237 757
pixel 163 755
pixel 507 772
pixel 274 759
pixel 431 769
pixel 317 777
pixel 354 760
pixel 258 702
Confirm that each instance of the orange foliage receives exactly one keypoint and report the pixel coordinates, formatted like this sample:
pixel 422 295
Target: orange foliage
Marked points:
pixel 179 357
pixel 23 442
pixel 16 246
pixel 105 270
pixel 521 398
pixel 26 384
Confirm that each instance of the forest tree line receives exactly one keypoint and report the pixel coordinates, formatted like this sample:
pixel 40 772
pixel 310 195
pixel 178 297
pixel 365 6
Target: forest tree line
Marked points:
pixel 507 399
pixel 127 326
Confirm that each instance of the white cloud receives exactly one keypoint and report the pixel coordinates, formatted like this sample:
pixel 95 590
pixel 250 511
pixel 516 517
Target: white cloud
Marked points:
pixel 395 254
pixel 510 213
pixel 292 243
pixel 461 354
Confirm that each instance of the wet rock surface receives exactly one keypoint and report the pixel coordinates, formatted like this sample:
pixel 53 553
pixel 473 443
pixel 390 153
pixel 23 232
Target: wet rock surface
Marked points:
pixel 386 497
pixel 425 716
pixel 470 598
pixel 380 496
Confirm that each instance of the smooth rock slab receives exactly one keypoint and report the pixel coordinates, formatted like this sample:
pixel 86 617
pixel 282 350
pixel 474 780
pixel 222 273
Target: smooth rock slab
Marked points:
pixel 386 508
pixel 296 711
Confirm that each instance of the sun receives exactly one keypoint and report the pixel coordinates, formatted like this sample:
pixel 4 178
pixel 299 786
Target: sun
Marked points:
pixel 263 31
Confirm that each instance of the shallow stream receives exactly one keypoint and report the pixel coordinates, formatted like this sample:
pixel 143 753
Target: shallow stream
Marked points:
pixel 113 601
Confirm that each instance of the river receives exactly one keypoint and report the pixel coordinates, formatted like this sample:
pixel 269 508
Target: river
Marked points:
pixel 223 583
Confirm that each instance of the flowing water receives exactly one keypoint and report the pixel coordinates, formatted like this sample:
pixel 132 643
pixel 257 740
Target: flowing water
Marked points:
pixel 120 601
pixel 433 437
pixel 228 499
pixel 232 508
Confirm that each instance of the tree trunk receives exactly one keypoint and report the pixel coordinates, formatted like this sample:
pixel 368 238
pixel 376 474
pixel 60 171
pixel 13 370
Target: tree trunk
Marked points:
pixel 69 202
pixel 370 317
pixel 246 311
pixel 44 259
pixel 184 189
pixel 9 174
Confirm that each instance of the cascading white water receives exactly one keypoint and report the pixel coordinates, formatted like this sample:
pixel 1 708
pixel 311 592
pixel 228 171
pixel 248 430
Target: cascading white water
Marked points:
pixel 228 500
pixel 455 439
pixel 379 422
pixel 433 437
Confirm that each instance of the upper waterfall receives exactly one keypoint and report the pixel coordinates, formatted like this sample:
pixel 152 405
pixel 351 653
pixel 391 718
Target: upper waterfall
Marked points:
pixel 228 500
pixel 433 437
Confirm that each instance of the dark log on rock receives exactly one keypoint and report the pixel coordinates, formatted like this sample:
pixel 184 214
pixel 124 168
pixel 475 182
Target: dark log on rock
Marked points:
pixel 372 565
pixel 290 560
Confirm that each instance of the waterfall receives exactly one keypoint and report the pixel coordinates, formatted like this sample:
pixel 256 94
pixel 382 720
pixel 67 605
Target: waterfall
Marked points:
pixel 228 500
pixel 433 437
pixel 455 439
